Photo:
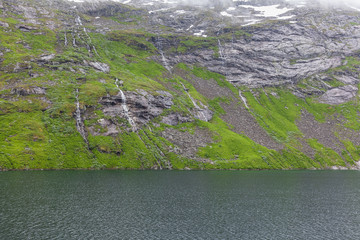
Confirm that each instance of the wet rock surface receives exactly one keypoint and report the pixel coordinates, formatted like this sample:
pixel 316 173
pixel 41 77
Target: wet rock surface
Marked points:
pixel 142 105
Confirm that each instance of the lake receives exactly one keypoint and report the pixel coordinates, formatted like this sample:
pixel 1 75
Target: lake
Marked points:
pixel 180 205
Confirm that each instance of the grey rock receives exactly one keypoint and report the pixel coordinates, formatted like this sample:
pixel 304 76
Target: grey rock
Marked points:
pixel 203 114
pixel 276 54
pixel 175 119
pixel 103 67
pixel 21 66
pixel 339 95
pixel 4 24
pixel 111 128
pixel 142 105
pixel 26 28
pixel 46 58
pixel 29 91
pixel 348 79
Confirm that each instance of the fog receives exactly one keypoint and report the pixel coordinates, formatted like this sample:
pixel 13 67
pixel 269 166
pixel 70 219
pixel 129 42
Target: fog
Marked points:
pixel 224 3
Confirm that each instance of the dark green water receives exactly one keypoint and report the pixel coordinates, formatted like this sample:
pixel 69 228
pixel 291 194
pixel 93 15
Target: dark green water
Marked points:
pixel 180 205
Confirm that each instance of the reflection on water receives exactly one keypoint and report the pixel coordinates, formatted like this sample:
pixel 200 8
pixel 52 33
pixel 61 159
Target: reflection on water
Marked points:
pixel 180 205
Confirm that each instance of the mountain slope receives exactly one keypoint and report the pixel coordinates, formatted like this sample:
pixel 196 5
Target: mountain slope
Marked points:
pixel 108 85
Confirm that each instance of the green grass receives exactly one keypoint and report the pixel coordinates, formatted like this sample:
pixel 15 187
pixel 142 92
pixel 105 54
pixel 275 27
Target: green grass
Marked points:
pixel 39 132
pixel 191 43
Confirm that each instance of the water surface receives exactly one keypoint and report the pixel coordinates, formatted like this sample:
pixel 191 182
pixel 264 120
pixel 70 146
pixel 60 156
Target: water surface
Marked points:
pixel 180 205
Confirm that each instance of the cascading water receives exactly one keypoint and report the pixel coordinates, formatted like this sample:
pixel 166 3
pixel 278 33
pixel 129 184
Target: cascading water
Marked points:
pixel 200 110
pixel 163 58
pixel 78 21
pixel 166 64
pixel 221 51
pixel 74 40
pixel 243 99
pixel 66 41
pixel 89 47
pixel 125 107
pixel 79 123
pixel 94 48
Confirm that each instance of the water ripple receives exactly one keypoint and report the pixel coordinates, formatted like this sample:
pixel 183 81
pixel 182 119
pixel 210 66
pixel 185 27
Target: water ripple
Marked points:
pixel 180 205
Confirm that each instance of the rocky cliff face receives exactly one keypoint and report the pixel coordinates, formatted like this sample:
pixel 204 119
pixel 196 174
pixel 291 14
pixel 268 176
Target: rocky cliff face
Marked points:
pixel 154 84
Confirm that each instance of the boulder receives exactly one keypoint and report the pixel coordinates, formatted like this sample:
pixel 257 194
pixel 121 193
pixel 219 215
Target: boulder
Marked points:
pixel 339 95
pixel 103 67
pixel 175 119
pixel 4 24
pixel 29 91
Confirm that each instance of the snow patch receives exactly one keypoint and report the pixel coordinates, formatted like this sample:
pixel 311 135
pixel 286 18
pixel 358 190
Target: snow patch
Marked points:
pixel 200 34
pixel 268 11
pixel 226 14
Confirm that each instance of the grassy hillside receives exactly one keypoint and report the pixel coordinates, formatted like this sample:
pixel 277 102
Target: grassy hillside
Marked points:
pixel 42 69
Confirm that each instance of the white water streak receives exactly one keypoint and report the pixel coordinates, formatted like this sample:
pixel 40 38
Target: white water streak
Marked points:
pixel 79 122
pixel 125 107
pixel 66 41
pixel 200 110
pixel 221 50
pixel 74 40
pixel 243 99
pixel 79 23
pixel 163 58
pixel 96 51
pixel 166 64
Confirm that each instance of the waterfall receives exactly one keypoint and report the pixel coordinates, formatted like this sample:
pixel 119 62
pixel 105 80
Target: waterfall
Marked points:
pixel 200 110
pixel 66 41
pixel 163 58
pixel 78 21
pixel 221 50
pixel 165 62
pixel 125 107
pixel 95 51
pixel 74 39
pixel 243 99
pixel 79 123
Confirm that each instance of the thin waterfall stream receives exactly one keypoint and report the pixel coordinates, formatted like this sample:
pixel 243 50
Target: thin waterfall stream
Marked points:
pixel 200 110
pixel 243 99
pixel 79 122
pixel 163 58
pixel 125 107
pixel 66 40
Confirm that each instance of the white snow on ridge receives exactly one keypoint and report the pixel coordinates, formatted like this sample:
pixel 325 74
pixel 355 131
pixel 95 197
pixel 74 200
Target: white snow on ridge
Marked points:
pixel 286 17
pixel 226 14
pixel 352 7
pixel 160 10
pixel 269 11
pixel 180 11
pixel 200 34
